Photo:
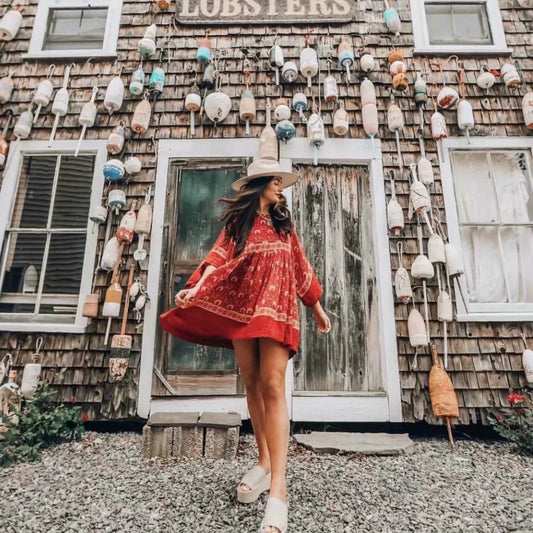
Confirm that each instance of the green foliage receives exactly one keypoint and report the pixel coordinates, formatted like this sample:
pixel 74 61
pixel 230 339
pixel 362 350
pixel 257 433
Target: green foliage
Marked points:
pixel 43 421
pixel 516 426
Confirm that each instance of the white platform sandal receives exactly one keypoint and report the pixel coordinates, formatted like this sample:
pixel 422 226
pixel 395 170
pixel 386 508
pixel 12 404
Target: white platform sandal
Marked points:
pixel 258 481
pixel 275 515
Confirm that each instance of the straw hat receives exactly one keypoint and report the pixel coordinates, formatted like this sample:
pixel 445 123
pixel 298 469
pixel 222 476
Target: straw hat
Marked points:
pixel 265 167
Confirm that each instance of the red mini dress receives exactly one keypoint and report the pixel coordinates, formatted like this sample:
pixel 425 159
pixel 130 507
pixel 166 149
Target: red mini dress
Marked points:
pixel 250 296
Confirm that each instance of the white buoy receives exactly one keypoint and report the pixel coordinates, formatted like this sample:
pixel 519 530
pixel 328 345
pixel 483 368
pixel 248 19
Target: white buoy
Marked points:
pixel 308 61
pixel 60 104
pixel 402 283
pixel 87 117
pixel 315 134
pixel 276 60
pixel 43 93
pixel 395 216
pixel 114 95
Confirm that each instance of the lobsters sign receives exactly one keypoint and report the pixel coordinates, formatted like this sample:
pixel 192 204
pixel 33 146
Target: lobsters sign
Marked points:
pixel 263 11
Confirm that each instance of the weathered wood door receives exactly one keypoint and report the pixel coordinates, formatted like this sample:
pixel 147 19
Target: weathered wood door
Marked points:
pixel 332 210
pixel 192 225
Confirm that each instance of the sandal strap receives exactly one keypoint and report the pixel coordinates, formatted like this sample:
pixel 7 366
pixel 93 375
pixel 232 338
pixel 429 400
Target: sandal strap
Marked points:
pixel 253 476
pixel 275 514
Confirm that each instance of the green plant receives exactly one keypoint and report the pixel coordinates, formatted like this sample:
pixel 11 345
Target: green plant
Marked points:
pixel 517 425
pixel 43 421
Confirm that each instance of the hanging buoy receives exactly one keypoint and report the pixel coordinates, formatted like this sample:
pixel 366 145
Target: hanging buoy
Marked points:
pixel 510 75
pixel 425 171
pixel 147 46
pixel 114 170
pixel 208 78
pixel 163 5
pixel 203 54
pixel 417 329
pixel 289 72
pixel 193 102
pixel 87 117
pixel 299 104
pixel 368 92
pixel 157 82
pixel 268 142
pixel 60 104
pixel 436 253
pixel 341 121
pixel 308 61
pixel 370 119
pixel 114 95
pixel 116 139
pixel 116 200
pixel 285 130
pixel 346 57
pixel 6 88
pixel 32 372
pixel 438 126
pixel 315 134
pixel 282 111
pixel 402 283
pixel 422 268
pixel 43 93
pixel 132 165
pixel 392 19
pixel 486 78
pixel 395 217
pixel 527 110
pixel 141 117
pixel 98 214
pixel 331 92
pixel 421 90
pixel 367 61
pixel 126 228
pixel 419 195
pixel 10 24
pixel 23 125
pixel 527 361
pixel 444 307
pixel 90 306
pixel 136 86
pixel 113 299
pixel 395 123
pixel 110 254
pixel 143 225
pixel 4 144
pixel 454 264
pixel 217 106
pixel 247 109
pixel 276 59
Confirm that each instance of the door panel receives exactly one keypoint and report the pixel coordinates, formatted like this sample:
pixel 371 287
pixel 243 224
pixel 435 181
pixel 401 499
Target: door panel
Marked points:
pixel 332 210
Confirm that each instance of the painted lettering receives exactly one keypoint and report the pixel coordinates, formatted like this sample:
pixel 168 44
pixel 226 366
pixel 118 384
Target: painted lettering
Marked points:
pixel 342 7
pixel 315 5
pixel 186 11
pixel 272 7
pixel 252 8
pixel 231 8
pixel 204 8
pixel 292 6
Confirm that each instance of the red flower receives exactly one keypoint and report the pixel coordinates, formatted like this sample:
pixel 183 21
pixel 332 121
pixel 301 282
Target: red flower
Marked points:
pixel 499 417
pixel 515 398
pixel 73 399
pixel 85 417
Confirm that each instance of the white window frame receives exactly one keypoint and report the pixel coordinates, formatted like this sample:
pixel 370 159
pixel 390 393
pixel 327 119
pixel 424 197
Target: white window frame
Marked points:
pixel 420 30
pixel 378 406
pixel 109 45
pixel 468 311
pixel 8 193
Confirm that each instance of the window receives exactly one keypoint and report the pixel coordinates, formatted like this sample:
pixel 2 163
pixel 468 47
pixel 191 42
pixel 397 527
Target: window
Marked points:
pixel 459 27
pixel 76 28
pixel 47 252
pixel 489 207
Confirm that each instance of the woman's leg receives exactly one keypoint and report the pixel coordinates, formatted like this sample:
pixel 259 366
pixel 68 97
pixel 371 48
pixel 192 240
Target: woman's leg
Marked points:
pixel 272 367
pixel 247 354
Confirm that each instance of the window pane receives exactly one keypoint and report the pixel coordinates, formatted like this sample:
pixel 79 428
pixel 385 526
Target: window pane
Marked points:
pixel 75 29
pixel 73 192
pixel 458 23
pixel 517 245
pixel 476 201
pixel 198 224
pixel 34 192
pixel 513 186
pixel 23 268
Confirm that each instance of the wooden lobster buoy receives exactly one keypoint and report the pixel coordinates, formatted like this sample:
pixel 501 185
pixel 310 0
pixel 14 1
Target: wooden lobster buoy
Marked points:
pixel 268 142
pixel 392 19
pixel 346 57
pixel 315 134
pixel 4 144
pixel 60 104
pixel 425 171
pixel 402 283
pixel 368 93
pixel 436 253
pixel 114 95
pixel 247 109
pixel 331 92
pixel 23 125
pixel 43 93
pixel 90 306
pixel 110 254
pixel 132 165
pixel 395 217
pixel 193 103
pixel 115 141
pixel 126 228
pixel 527 110
pixel 10 24
pixel 116 199
pixel 203 54
pixel 419 194
pixel 143 225
pixel 308 61
pixel 6 88
pixel 454 264
pixel 289 72
pixel 299 104
pixel 510 75
pixel 136 86
pixel 417 329
pixel 141 117
pixel 32 372
pixel 276 60
pixel 486 78
pixel 217 106
pixel 341 121
pixel 367 61
pixel 147 46
pixel 87 117
pixel 114 170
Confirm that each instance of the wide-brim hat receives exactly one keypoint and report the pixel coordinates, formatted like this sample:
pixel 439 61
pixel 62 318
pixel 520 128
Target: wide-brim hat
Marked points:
pixel 266 167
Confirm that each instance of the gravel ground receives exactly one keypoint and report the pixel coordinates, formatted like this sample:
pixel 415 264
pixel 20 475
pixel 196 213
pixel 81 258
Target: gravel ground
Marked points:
pixel 102 484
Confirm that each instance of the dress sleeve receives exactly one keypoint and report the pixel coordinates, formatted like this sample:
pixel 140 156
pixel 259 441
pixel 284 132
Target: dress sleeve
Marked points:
pixel 307 285
pixel 217 256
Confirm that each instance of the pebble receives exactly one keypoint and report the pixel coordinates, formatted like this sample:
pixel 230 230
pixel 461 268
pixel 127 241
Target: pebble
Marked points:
pixel 103 484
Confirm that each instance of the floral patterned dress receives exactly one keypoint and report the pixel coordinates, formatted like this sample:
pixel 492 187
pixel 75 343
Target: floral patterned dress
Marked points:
pixel 250 296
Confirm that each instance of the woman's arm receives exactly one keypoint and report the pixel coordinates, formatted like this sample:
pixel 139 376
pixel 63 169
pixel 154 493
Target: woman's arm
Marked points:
pixel 187 294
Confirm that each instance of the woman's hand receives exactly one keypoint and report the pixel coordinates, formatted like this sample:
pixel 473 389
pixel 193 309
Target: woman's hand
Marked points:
pixel 184 296
pixel 322 320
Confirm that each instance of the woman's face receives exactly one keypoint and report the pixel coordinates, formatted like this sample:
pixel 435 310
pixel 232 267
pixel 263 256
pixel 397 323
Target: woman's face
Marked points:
pixel 273 191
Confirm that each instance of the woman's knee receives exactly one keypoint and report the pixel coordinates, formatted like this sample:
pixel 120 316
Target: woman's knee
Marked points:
pixel 272 385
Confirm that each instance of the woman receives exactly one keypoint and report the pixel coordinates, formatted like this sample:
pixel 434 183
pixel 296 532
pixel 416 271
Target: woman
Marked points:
pixel 244 296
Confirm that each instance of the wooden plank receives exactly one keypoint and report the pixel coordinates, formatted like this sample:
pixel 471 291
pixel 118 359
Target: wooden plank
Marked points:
pixel 203 385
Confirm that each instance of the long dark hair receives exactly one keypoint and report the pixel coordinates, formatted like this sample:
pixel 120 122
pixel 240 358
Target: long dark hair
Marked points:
pixel 239 216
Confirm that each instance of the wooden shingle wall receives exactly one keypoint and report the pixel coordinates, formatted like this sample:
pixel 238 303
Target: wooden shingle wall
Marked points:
pixel 485 359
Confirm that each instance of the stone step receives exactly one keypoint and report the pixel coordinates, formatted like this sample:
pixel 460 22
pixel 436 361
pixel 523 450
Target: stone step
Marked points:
pixel 191 435
pixel 365 443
